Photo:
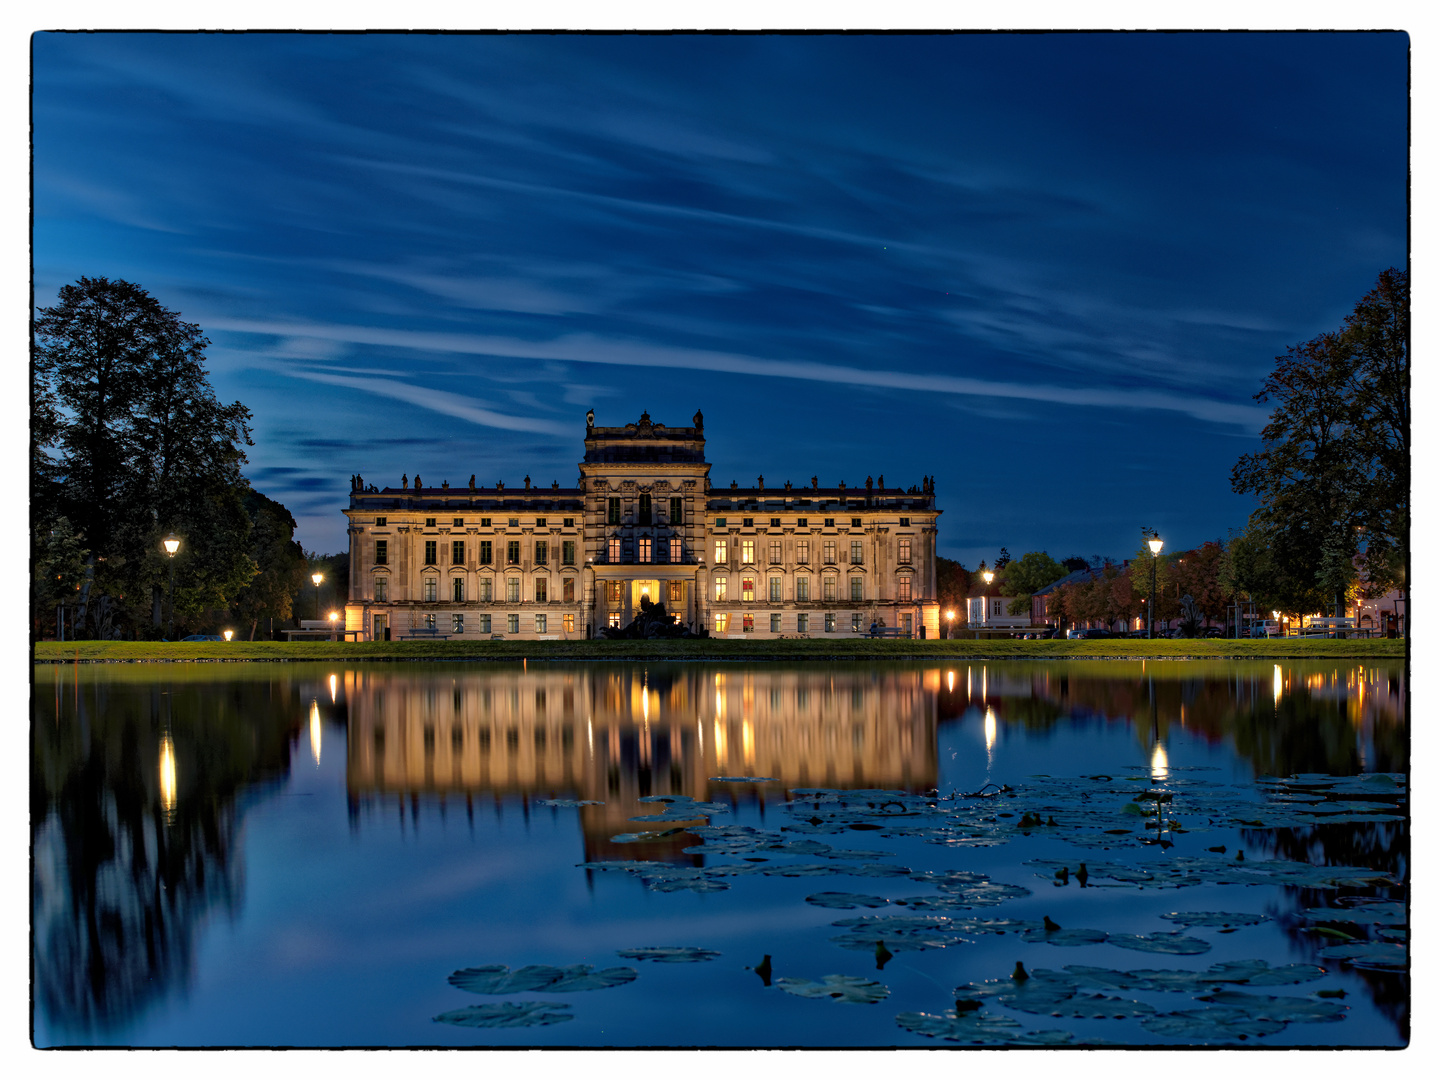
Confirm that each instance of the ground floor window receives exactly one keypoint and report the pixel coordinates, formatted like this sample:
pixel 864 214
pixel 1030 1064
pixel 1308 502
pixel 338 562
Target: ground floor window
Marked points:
pixel 829 622
pixel 747 623
pixel 429 622
pixel 802 624
pixel 485 624
pixel 512 623
pixel 722 622
pixel 905 623
pixel 569 624
pixel 615 619
pixel 855 622
pixel 540 624
pixel 774 624
pixel 457 624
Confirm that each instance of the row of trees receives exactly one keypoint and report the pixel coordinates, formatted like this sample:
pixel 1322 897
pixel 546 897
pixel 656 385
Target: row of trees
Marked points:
pixel 128 444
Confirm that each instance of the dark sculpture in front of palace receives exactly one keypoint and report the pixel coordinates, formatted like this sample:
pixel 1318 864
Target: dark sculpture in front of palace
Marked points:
pixel 652 622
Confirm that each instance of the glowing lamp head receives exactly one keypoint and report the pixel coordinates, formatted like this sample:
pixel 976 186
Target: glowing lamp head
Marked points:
pixel 1155 545
pixel 988 575
pixel 229 634
pixel 334 615
pixel 172 544
pixel 317 578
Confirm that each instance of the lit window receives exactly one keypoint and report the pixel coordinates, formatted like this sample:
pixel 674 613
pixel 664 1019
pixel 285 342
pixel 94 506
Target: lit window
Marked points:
pixel 674 592
pixel 857 552
pixel 904 550
pixel 614 552
pixel 720 584
pixel 457 624
pixel 512 624
pixel 802 624
pixel 775 553
pixel 774 624
pixel 569 624
pixel 902 592
pixel 382 590
pixel 540 621
pixel 857 588
pixel 612 592
pixel 802 552
pixel 775 590
pixel 747 624
pixel 567 590
pixel 429 552
pixel 802 588
pixel 722 622
pixel 855 622
pixel 614 619
pixel 644 549
pixel 512 590
pixel 747 552
pixel 542 590
pixel 747 588
pixel 485 552
pixel 829 552
pixel 457 590
pixel 829 622
pixel 722 552
pixel 432 587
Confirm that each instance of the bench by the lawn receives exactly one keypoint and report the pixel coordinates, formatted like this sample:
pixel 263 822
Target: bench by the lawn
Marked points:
pixel 423 633
pixel 890 631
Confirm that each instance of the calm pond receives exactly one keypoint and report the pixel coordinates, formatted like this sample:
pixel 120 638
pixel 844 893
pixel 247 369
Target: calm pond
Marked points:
pixel 1176 853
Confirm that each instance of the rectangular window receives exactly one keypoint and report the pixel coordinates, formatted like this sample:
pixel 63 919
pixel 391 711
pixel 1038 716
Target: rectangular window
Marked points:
pixel 485 552
pixel 614 549
pixel 905 622
pixel 829 523
pixel 857 588
pixel 457 624
pixel 514 523
pixel 457 590
pixel 540 523
pixel 829 587
pixel 722 622
pixel 569 624
pixel 802 588
pixel 720 586
pixel 857 552
pixel 612 593
pixel 512 552
pixel 459 523
pixel 432 587
pixel 380 522
pixel 512 590
pixel 662 549
pixel 748 523
pixel 802 523
pixel 904 523
pixel 569 523
pixel 567 590
pixel 485 624
pixel 614 510
pixel 855 622
pixel 674 592
pixel 802 624
pixel 829 552
pixel 902 592
pixel 829 622
pixel 485 586
pixel 719 523
pixel 567 553
pixel 776 587
pixel 747 624
pixel 382 590
pixel 614 619
pixel 747 588
pixel 677 510
pixel 485 523
pixel 540 622
pixel 722 552
pixel 774 523
pixel 429 622
pixel 430 523
pixel 644 510
pixel 512 624
pixel 645 543
pixel 457 552
pixel 854 523
pixel 802 552
pixel 747 552
pixel 542 552
pixel 775 553
pixel 904 550
pixel 542 590
pixel 429 552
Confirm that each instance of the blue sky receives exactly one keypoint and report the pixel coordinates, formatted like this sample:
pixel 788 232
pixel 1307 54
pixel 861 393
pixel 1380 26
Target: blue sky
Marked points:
pixel 1049 270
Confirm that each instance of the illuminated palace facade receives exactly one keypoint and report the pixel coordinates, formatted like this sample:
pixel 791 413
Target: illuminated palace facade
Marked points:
pixel 643 522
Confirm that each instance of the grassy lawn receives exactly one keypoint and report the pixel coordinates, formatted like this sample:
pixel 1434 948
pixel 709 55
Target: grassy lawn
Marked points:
pixel 841 649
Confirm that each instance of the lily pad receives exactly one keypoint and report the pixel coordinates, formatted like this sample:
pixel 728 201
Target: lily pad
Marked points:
pixel 498 979
pixel 1165 941
pixel 669 954
pixel 744 780
pixel 1282 1008
pixel 1374 955
pixel 1213 1024
pixel 845 900
pixel 846 989
pixel 508 1014
pixel 978 1029
pixel 1214 918
pixel 1066 936
pixel 571 803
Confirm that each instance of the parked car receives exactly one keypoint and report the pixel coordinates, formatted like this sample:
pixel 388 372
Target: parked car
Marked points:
pixel 1212 631
pixel 1095 632
pixel 203 637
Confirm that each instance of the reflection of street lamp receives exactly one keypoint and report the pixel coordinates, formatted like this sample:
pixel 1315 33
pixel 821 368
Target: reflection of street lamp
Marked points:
pixel 949 623
pixel 317 578
pixel 172 545
pixel 1155 545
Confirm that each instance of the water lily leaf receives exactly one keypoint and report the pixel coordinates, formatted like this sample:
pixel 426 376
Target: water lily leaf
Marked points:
pixel 498 979
pixel 1374 955
pixel 899 940
pixel 1214 918
pixel 874 870
pixel 1164 941
pixel 642 837
pixel 1040 993
pixel 583 977
pixel 1285 1009
pixel 1213 1024
pixel 1235 972
pixel 1087 1007
pixel 744 780
pixel 978 1029
pixel 1380 913
pixel 846 989
pixel 669 954
pixel 680 879
pixel 801 870
pixel 845 900
pixel 1066 936
pixel 508 1014
pixel 571 803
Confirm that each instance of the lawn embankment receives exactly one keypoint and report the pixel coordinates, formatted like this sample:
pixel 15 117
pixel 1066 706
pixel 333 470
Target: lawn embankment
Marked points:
pixel 713 649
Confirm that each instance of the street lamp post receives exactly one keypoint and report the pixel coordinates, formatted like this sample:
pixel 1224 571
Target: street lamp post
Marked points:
pixel 172 545
pixel 317 578
pixel 1155 545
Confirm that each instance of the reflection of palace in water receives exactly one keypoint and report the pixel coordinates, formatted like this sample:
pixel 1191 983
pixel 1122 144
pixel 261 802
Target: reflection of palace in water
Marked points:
pixel 617 735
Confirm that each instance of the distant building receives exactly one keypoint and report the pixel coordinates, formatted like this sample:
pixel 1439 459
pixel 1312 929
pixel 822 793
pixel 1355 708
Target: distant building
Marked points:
pixel 643 523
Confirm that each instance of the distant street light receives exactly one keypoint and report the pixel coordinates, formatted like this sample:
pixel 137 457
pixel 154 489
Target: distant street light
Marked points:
pixel 1155 545
pixel 989 576
pixel 229 634
pixel 949 623
pixel 172 545
pixel 333 616
pixel 317 578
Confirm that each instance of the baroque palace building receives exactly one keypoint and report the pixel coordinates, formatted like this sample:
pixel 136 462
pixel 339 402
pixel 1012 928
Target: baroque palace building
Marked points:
pixel 643 522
